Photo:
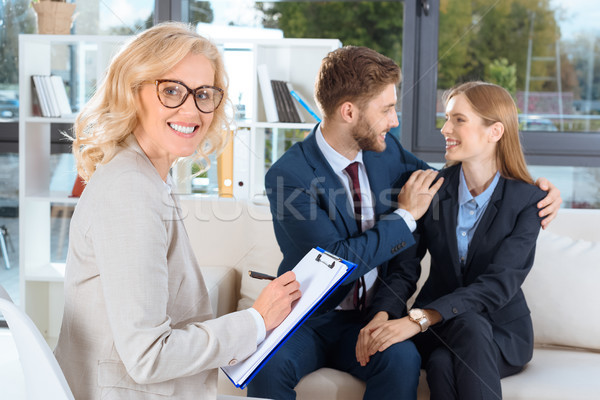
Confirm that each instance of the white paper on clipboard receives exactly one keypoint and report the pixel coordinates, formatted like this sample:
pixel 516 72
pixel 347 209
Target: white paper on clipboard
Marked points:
pixel 318 273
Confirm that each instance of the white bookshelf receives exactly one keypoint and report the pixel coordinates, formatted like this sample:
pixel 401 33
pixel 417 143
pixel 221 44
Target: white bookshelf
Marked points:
pixel 292 60
pixel 41 280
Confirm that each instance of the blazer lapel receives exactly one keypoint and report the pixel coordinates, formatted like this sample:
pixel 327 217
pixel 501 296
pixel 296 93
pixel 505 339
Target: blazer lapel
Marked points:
pixel 328 184
pixel 379 182
pixel 449 211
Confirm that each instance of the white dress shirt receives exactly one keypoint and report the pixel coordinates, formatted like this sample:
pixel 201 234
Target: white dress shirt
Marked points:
pixel 338 163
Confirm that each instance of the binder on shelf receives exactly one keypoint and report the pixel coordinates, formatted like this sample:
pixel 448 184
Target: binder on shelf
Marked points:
pixel 303 103
pixel 319 274
pixel 267 93
pixel 225 168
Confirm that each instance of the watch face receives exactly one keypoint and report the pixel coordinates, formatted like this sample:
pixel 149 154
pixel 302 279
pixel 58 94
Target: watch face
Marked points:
pixel 416 313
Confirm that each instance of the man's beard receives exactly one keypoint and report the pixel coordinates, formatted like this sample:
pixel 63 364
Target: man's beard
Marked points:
pixel 366 137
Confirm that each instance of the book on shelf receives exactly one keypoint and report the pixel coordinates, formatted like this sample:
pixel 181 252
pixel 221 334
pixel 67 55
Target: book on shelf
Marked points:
pixel 43 96
pixel 277 98
pixel 300 100
pixel 61 95
pixel 38 105
pixel 294 113
pixel 54 109
pixel 268 97
pixel 279 104
pixel 286 110
pixel 50 96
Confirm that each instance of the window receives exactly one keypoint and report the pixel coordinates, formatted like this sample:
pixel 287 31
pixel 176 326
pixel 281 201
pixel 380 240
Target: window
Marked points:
pixel 545 53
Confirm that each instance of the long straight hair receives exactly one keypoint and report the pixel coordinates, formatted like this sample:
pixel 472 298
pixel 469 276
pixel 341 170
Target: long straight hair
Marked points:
pixel 494 104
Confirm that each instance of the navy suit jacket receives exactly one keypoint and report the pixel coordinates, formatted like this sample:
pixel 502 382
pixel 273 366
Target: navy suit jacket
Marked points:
pixel 499 258
pixel 310 208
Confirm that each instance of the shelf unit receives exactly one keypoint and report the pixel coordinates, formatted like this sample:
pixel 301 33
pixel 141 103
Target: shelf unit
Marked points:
pixel 41 279
pixel 292 60
pixel 85 57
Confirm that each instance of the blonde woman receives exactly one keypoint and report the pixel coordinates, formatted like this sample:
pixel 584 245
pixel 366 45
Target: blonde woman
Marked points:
pixel 470 322
pixel 137 321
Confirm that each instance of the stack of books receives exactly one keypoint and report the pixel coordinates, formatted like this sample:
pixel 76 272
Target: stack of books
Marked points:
pixel 50 96
pixel 282 103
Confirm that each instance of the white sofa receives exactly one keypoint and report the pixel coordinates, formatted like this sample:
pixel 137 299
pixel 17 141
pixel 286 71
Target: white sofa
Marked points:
pixel 230 237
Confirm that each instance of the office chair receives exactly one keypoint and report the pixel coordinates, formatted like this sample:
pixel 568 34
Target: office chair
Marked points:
pixel 43 377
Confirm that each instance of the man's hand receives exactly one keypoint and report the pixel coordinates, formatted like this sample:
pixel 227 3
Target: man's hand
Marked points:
pixel 550 204
pixel 364 337
pixel 275 301
pixel 417 193
pixel 391 332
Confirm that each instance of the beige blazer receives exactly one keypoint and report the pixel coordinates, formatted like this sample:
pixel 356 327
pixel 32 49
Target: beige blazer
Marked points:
pixel 137 320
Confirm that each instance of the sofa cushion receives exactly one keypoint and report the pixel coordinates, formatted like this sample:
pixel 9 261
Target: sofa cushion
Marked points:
pixel 327 383
pixel 560 291
pixel 263 256
pixel 556 374
pixel 220 283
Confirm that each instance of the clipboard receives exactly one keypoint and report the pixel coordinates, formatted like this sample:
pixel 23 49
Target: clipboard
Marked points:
pixel 319 274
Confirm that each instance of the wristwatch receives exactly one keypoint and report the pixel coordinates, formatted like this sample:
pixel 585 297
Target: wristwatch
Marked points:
pixel 417 315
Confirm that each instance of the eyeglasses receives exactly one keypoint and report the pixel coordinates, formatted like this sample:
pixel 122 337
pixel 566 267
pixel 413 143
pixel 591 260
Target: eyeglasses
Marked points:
pixel 173 94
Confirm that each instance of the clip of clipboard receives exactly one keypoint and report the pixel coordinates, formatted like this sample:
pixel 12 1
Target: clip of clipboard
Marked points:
pixel 316 284
pixel 327 254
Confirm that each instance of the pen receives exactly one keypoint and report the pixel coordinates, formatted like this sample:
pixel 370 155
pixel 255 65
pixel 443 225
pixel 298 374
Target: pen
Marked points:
pixel 260 275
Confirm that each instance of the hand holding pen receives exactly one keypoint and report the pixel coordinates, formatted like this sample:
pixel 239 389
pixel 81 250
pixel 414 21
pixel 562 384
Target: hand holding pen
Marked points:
pixel 274 303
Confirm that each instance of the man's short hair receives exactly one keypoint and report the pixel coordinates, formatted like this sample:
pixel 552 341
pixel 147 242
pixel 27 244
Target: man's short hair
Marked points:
pixel 354 74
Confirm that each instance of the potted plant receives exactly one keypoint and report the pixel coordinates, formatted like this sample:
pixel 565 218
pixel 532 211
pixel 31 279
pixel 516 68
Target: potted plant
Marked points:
pixel 54 16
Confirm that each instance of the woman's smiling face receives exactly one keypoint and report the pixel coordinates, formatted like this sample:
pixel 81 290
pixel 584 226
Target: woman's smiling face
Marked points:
pixel 166 134
pixel 467 137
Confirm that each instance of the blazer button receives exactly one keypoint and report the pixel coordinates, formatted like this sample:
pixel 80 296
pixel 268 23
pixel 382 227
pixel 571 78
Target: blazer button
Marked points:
pixel 454 310
pixel 402 244
pixel 233 362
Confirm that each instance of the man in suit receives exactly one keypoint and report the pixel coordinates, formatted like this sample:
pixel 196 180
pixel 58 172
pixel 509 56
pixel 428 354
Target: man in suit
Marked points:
pixel 311 197
pixel 363 216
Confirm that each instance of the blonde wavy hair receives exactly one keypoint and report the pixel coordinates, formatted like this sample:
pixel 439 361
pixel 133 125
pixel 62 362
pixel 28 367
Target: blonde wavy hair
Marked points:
pixel 494 104
pixel 110 116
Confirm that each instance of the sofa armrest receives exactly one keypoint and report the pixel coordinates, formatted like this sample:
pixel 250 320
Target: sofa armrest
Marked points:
pixel 221 285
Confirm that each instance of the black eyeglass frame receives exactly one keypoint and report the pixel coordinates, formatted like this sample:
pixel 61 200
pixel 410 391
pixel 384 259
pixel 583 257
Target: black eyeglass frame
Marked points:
pixel 189 91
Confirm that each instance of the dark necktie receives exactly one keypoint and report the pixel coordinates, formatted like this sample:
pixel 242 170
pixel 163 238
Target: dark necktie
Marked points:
pixel 352 171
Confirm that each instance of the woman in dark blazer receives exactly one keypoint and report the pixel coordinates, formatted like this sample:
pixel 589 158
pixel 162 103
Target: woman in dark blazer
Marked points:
pixel 480 230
